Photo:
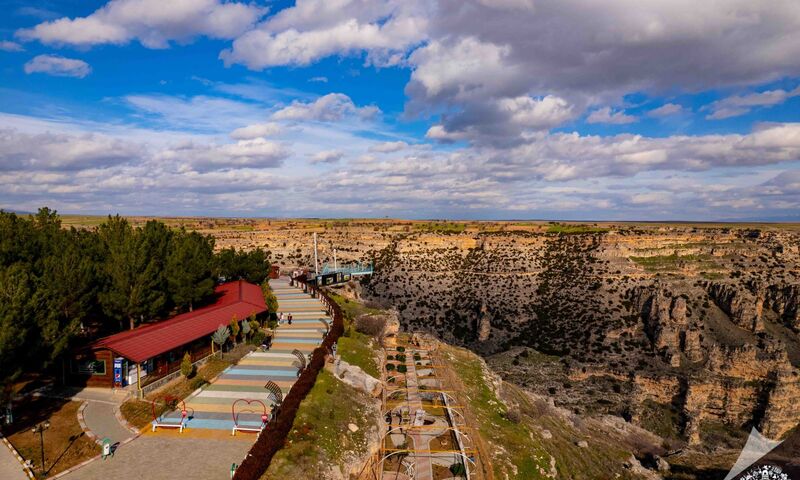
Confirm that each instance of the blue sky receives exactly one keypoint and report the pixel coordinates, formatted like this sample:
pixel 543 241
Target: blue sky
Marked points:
pixel 419 109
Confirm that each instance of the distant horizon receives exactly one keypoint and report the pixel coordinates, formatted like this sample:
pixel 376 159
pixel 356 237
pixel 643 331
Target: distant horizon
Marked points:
pixel 409 219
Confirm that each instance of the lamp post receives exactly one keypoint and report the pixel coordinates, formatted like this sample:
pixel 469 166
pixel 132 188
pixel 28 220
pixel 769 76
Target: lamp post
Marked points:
pixel 40 430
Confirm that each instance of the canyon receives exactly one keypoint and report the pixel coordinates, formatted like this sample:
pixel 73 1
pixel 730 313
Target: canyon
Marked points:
pixel 689 331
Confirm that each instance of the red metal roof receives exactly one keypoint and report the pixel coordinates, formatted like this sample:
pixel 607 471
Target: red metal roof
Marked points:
pixel 233 298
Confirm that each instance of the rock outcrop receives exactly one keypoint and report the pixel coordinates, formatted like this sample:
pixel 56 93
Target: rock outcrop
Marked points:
pixel 785 301
pixel 667 326
pixel 744 308
pixel 356 377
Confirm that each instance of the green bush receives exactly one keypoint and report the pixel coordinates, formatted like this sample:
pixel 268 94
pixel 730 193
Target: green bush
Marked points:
pixel 258 337
pixel 401 349
pixel 389 357
pixel 402 368
pixel 390 366
pixel 197 382
pixel 187 369
pixel 401 358
pixel 457 469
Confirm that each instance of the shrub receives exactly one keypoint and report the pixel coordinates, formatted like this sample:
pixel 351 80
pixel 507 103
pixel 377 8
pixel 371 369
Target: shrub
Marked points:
pixel 389 357
pixel 458 470
pixel 401 349
pixel 372 325
pixel 390 366
pixel 402 368
pixel 400 358
pixel 197 382
pixel 234 324
pixel 258 337
pixel 513 415
pixel 187 369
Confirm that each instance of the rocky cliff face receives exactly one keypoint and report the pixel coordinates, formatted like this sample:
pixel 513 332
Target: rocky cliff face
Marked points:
pixel 697 325
pixel 744 308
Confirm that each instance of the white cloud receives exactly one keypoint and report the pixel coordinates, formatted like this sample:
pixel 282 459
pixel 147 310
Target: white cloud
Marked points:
pixel 58 66
pixel 201 112
pixel 255 153
pixel 314 29
pixel 537 114
pixel 328 108
pixel 665 110
pixel 552 175
pixel 439 132
pixel 256 130
pixel 606 115
pixel 741 104
pixel 463 70
pixel 48 151
pixel 327 156
pixel 153 22
pixel 318 79
pixel 8 46
pixel 388 147
pixel 590 54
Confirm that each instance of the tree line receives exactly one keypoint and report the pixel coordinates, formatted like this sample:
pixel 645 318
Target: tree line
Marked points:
pixel 56 283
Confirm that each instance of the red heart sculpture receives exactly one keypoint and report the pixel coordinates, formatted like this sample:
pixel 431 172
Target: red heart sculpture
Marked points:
pixel 235 414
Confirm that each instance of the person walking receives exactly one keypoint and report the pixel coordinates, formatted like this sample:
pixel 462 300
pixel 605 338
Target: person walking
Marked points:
pixel 290 318
pixel 280 318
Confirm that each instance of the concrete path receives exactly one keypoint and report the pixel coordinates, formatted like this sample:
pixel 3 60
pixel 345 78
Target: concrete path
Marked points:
pixel 211 408
pixel 167 457
pixel 101 419
pixel 10 469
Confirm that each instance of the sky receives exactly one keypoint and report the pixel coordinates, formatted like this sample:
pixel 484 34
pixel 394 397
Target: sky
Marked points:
pixel 458 109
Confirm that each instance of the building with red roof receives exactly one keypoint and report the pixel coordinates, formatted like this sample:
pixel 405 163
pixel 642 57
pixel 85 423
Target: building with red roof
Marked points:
pixel 152 351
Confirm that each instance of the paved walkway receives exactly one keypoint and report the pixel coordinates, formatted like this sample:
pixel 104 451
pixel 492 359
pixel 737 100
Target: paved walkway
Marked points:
pixel 101 419
pixel 10 469
pixel 167 457
pixel 211 407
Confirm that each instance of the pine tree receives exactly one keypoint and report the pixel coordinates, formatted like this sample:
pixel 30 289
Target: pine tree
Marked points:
pixel 269 297
pixel 134 265
pixel 189 268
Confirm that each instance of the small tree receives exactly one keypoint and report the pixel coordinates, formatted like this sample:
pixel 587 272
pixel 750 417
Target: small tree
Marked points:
pixel 221 336
pixel 255 325
pixel 187 368
pixel 245 330
pixel 269 298
pixel 234 328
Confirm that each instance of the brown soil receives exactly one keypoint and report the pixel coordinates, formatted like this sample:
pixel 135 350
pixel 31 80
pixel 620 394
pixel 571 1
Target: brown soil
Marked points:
pixel 65 444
